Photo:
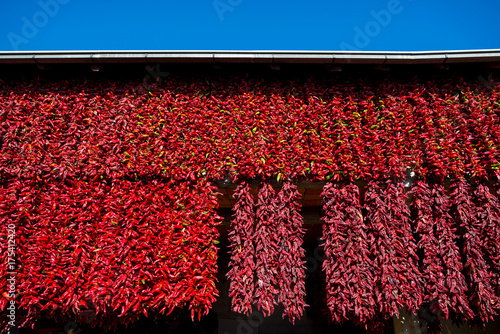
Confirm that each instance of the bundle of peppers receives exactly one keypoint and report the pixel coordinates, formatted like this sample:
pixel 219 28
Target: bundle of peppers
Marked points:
pixel 272 250
pixel 348 264
pixel 242 251
pixel 435 256
pixel 441 266
pixel 105 253
pixel 477 219
pixel 84 164
pixel 244 128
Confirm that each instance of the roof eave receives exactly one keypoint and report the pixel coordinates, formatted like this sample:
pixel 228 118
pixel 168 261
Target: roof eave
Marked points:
pixel 298 57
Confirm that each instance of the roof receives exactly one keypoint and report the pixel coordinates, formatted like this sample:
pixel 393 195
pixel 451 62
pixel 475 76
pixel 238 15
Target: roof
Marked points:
pixel 208 56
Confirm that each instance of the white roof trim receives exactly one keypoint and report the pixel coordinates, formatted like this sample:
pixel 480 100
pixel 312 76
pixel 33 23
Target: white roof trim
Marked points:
pixel 312 57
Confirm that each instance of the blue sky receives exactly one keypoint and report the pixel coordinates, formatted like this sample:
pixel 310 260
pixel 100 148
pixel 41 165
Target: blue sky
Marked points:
pixel 389 25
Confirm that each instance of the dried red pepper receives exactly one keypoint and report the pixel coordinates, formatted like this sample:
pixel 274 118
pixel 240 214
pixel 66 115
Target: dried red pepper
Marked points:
pixel 64 145
pixel 348 264
pixel 115 250
pixel 445 285
pixel 246 128
pixel 482 296
pixel 398 279
pixel 241 237
pixel 291 269
pixel 267 248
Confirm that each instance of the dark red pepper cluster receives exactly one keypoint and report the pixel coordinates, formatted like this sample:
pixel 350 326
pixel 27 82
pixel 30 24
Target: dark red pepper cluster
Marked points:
pixel 267 247
pixel 112 250
pixel 393 248
pixel 348 264
pixel 291 269
pixel 477 214
pixel 441 266
pixel 273 251
pixel 242 251
pixel 372 263
pixel 489 218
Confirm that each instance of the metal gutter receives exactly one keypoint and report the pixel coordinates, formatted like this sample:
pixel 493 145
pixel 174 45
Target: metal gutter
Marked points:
pixel 278 57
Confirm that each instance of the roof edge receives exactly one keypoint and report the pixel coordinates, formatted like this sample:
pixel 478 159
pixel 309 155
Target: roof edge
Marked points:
pixel 264 56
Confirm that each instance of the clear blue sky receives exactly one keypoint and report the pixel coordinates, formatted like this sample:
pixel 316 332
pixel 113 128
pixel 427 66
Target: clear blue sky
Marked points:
pixel 389 25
